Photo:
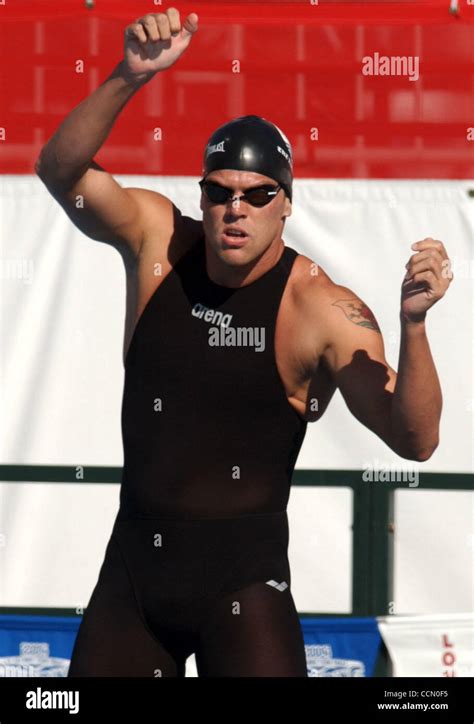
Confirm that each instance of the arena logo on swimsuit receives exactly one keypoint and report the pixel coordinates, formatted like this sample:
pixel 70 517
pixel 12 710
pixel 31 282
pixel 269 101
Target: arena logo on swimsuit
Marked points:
pixel 211 315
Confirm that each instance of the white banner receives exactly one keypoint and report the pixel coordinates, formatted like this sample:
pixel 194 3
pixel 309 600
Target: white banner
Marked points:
pixel 435 646
pixel 62 311
pixel 62 298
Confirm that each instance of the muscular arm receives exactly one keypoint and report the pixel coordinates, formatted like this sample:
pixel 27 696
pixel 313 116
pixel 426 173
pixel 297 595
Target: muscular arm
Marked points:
pixel 94 201
pixel 91 197
pixel 69 152
pixel 402 409
pixel 417 401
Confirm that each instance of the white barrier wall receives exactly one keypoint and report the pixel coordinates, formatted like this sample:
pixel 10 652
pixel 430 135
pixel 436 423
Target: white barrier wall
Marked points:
pixel 62 324
pixel 62 301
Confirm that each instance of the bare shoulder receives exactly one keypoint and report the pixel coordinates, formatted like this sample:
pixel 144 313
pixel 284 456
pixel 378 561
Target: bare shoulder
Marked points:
pixel 319 299
pixel 307 295
pixel 310 285
pixel 168 234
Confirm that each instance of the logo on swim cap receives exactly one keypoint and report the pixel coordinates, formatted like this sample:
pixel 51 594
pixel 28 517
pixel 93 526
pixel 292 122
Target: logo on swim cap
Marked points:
pixel 215 147
pixel 288 146
pixel 284 153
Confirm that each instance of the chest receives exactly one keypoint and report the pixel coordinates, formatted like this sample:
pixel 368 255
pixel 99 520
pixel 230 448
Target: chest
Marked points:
pixel 290 351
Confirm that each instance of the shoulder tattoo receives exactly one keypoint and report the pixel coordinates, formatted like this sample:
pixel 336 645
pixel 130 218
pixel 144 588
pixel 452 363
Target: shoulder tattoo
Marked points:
pixel 358 313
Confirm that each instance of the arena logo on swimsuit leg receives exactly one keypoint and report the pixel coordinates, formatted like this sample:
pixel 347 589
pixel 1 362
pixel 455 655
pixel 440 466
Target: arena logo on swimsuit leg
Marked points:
pixel 238 337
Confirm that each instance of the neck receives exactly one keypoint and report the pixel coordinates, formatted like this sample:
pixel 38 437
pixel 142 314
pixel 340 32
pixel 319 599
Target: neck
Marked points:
pixel 239 275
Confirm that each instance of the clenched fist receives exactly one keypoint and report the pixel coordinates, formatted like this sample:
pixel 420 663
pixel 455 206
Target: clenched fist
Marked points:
pixel 427 279
pixel 155 42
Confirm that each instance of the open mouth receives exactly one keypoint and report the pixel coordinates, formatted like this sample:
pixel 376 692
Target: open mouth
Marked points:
pixel 235 232
pixel 234 237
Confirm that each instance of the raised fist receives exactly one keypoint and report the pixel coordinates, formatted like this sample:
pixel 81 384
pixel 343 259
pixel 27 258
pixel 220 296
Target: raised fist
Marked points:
pixel 155 42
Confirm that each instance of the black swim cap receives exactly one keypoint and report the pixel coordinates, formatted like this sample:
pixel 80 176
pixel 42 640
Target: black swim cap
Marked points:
pixel 251 143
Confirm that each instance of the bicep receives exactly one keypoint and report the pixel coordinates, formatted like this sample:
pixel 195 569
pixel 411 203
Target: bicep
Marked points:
pixel 105 211
pixel 355 356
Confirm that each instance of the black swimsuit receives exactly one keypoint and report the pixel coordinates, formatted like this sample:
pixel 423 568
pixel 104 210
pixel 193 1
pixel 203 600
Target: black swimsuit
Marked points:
pixel 197 561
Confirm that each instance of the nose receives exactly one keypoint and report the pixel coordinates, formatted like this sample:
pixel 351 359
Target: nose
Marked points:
pixel 234 207
pixel 236 204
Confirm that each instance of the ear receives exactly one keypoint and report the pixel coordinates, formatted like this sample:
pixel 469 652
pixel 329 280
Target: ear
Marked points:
pixel 287 207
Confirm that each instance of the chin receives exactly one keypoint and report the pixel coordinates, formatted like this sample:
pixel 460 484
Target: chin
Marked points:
pixel 235 257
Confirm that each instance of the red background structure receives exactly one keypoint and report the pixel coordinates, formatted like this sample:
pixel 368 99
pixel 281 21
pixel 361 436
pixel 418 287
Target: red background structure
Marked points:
pixel 300 66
